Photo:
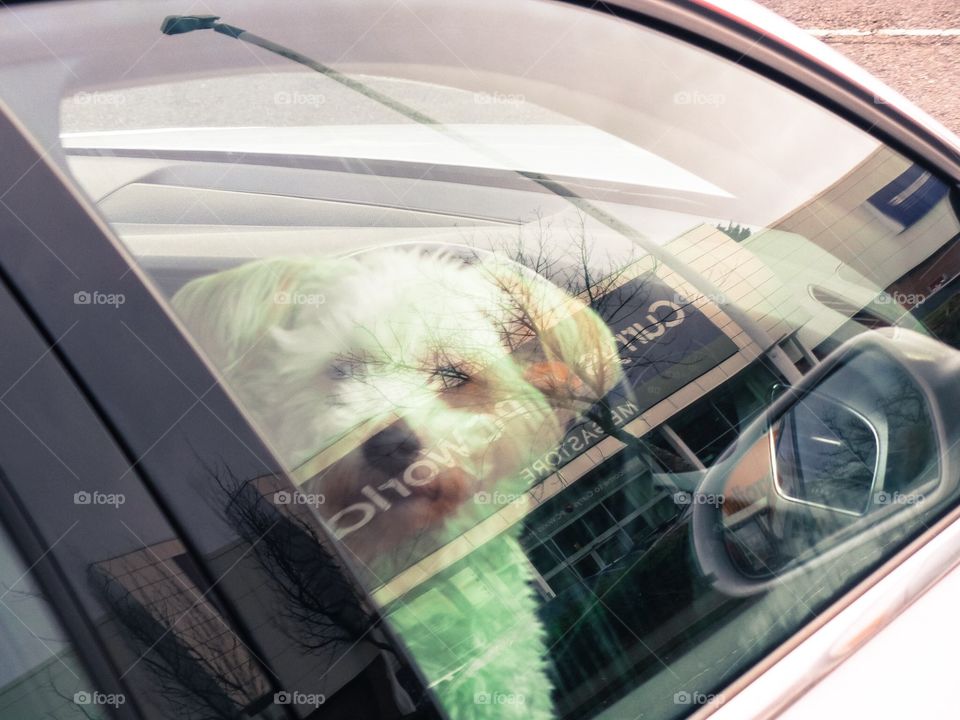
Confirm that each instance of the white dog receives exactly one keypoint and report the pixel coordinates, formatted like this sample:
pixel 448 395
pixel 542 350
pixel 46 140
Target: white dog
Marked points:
pixel 412 384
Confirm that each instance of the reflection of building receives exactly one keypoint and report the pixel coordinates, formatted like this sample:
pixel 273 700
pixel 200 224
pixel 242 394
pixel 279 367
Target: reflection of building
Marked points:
pixel 675 407
pixel 604 523
pixel 891 227
pixel 158 595
pixel 881 220
pixel 605 516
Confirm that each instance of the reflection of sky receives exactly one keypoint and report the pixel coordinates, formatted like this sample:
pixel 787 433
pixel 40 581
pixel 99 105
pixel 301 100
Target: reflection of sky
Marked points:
pixel 28 634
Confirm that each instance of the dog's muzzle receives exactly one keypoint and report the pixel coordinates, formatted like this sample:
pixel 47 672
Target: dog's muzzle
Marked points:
pixel 392 449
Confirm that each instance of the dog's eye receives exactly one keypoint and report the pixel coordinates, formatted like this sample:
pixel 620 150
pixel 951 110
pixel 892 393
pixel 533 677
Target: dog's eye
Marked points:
pixel 341 370
pixel 450 377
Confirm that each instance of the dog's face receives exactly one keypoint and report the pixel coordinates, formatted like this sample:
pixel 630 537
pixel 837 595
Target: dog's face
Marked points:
pixel 410 384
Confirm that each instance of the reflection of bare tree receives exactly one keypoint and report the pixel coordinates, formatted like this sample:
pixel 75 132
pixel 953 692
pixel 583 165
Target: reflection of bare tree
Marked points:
pixel 201 668
pixel 826 454
pixel 320 610
pixel 323 611
pixel 613 287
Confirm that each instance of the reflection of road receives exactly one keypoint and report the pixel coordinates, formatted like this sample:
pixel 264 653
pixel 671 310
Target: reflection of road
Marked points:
pixel 286 99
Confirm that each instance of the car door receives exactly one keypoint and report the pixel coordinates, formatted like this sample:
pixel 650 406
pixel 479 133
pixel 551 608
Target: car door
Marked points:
pixel 732 264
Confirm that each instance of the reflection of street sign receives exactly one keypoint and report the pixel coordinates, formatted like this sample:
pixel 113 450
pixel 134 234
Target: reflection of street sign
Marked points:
pixel 664 343
pixel 664 340
pixel 662 337
pixel 908 197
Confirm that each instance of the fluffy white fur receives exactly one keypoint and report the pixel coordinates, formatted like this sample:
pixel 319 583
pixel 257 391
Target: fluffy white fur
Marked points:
pixel 481 364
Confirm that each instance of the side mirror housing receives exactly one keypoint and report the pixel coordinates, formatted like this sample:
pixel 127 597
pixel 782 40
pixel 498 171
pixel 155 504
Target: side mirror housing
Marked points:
pixel 864 443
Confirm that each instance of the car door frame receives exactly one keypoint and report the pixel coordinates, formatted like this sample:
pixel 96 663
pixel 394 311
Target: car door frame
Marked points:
pixel 57 247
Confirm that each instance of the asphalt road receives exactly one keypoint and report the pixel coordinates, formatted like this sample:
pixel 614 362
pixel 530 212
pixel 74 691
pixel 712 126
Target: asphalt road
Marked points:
pixel 884 37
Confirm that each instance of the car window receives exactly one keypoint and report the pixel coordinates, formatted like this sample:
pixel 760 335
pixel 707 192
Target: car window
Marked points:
pixel 512 313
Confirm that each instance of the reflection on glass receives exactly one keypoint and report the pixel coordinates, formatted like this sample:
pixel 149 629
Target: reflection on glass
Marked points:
pixel 504 421
pixel 826 454
pixel 858 448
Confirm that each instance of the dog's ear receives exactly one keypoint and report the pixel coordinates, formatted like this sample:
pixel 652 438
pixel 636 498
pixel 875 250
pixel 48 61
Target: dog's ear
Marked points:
pixel 232 312
pixel 569 347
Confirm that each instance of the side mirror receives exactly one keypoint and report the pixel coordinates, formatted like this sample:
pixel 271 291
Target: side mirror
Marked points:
pixel 867 441
pixel 825 454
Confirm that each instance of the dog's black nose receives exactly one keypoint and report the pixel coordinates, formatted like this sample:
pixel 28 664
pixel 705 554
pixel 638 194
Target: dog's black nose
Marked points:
pixel 393 449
